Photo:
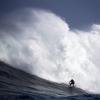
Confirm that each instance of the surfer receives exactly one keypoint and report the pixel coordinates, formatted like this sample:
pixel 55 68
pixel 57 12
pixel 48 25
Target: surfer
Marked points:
pixel 71 83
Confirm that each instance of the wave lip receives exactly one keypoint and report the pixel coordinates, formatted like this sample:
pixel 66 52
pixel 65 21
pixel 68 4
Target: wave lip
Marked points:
pixel 15 82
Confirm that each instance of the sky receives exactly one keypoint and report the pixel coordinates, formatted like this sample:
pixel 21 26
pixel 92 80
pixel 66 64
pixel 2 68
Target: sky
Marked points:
pixel 78 14
pixel 53 39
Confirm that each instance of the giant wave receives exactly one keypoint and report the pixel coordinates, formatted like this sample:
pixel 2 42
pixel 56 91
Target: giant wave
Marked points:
pixel 42 43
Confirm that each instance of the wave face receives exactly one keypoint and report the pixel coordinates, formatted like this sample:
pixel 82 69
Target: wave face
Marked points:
pixel 19 85
pixel 41 43
pixel 16 82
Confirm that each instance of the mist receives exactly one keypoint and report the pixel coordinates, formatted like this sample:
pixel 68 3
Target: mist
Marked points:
pixel 42 43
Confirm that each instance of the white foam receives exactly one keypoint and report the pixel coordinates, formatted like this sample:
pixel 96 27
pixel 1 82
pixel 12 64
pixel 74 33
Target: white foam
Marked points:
pixel 41 43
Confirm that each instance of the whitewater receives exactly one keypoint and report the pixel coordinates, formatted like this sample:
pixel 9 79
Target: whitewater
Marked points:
pixel 42 43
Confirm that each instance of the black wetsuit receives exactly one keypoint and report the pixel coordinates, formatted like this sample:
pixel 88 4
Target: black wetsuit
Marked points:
pixel 71 83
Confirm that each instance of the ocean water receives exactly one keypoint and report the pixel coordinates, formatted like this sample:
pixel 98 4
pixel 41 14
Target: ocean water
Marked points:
pixel 16 84
pixel 42 53
pixel 38 97
pixel 42 43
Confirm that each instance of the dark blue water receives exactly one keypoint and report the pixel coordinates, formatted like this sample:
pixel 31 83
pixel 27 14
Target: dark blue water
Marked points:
pixel 42 97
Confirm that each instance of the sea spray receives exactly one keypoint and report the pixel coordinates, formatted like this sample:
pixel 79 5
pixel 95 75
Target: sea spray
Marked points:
pixel 42 43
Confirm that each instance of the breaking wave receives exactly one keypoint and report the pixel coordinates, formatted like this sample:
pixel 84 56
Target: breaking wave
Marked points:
pixel 42 43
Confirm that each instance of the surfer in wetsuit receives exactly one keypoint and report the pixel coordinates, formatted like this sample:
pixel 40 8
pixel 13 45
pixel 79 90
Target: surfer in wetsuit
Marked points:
pixel 71 83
